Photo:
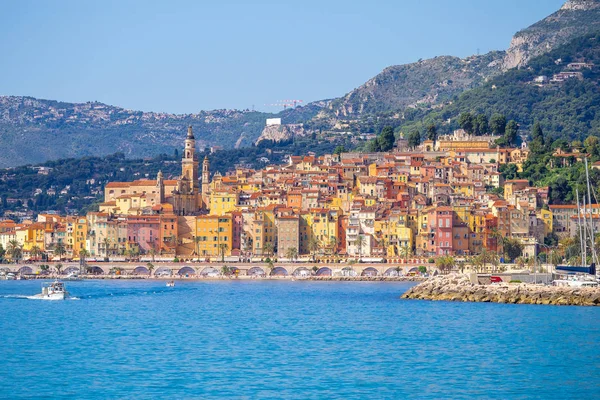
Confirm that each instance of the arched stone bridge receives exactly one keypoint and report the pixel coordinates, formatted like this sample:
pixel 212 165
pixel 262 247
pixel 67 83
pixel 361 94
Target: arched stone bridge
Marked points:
pixel 171 269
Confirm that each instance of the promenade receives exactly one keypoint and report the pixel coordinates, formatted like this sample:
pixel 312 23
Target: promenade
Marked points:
pixel 187 270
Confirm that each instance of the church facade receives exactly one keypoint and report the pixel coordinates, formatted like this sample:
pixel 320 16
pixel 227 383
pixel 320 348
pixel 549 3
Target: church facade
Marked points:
pixel 181 196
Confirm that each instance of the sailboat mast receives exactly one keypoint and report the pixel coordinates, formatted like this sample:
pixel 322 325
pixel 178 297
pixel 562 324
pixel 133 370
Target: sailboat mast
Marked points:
pixel 579 226
pixel 592 230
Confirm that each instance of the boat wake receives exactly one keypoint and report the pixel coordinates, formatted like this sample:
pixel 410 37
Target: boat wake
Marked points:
pixel 101 295
pixel 132 293
pixel 14 296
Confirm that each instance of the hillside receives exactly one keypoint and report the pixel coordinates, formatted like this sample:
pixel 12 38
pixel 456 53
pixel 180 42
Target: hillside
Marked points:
pixel 575 18
pixel 55 129
pixel 75 184
pixel 424 82
pixel 435 81
pixel 34 130
pixel 568 109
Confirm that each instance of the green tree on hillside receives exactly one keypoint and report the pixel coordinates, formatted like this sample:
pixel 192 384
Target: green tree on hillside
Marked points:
pixel 414 139
pixel 465 120
pixel 480 125
pixel 511 132
pixel 339 150
pixel 432 132
pixel 591 146
pixel 386 139
pixel 538 143
pixel 498 124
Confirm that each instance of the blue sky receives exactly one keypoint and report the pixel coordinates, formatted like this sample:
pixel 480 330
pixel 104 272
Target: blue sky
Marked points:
pixel 183 56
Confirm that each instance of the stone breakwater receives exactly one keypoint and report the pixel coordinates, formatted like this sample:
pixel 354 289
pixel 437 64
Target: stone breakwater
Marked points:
pixel 366 278
pixel 460 288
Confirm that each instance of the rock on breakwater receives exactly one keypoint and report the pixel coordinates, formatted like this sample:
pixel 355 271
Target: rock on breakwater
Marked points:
pixel 457 287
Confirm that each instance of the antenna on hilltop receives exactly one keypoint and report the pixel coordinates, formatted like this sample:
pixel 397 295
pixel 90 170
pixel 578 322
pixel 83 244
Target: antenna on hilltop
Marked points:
pixel 285 104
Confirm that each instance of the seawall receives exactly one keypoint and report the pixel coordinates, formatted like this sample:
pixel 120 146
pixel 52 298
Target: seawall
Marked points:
pixel 457 287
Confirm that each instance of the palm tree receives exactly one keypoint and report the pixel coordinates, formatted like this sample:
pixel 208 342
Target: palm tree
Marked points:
pixel 268 249
pixel 531 263
pixel 106 242
pixel 385 244
pixel 461 266
pixel 152 253
pixel 520 261
pixel 406 252
pixel 14 250
pixel 58 267
pixel 59 250
pixel 132 252
pixel 223 248
pixel 360 242
pixel 445 263
pixel 477 262
pixel 495 234
pixel 291 253
pixel 197 240
pixel 333 243
pixel 225 270
pixel 150 267
pixel 35 251
pixel 83 254
pixel 313 246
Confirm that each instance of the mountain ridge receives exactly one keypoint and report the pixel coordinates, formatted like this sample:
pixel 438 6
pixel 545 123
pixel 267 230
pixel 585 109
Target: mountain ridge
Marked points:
pixel 575 18
pixel 81 129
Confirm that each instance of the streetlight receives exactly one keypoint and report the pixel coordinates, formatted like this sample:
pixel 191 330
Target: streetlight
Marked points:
pixel 547 253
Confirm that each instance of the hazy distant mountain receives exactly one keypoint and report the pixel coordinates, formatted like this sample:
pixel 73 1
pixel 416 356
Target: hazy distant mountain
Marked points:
pixel 34 130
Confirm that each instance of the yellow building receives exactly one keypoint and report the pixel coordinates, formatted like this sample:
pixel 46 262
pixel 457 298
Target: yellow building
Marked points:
pixel 131 204
pixel 31 235
pixel 76 235
pixel 213 235
pixel 324 224
pixel 372 169
pixel 222 202
pixel 546 217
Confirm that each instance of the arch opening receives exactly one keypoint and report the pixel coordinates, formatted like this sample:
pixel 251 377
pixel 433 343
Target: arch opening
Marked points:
pixel 209 271
pixel 256 271
pixel 25 271
pixel 301 272
pixel 279 271
pixel 163 271
pixel 141 270
pixel 186 271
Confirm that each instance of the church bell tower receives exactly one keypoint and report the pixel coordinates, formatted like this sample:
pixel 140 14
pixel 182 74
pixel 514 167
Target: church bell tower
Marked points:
pixel 189 162
pixel 205 180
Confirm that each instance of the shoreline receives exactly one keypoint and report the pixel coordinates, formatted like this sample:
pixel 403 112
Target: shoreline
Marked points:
pixel 245 278
pixel 459 288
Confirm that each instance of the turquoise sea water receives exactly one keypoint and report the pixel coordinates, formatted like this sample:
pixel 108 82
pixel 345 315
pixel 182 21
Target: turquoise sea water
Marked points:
pixel 270 339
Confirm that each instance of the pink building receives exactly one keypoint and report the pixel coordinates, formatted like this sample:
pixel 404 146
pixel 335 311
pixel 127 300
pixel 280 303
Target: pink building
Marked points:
pixel 143 231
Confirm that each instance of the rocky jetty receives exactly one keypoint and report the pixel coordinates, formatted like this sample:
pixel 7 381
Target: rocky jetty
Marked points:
pixel 366 278
pixel 456 287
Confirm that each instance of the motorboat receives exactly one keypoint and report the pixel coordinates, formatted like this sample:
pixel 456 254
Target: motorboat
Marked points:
pixel 171 284
pixel 52 291
pixel 577 281
pixel 73 276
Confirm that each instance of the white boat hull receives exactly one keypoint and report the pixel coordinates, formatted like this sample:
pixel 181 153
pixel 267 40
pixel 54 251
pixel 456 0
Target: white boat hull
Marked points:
pixel 52 296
